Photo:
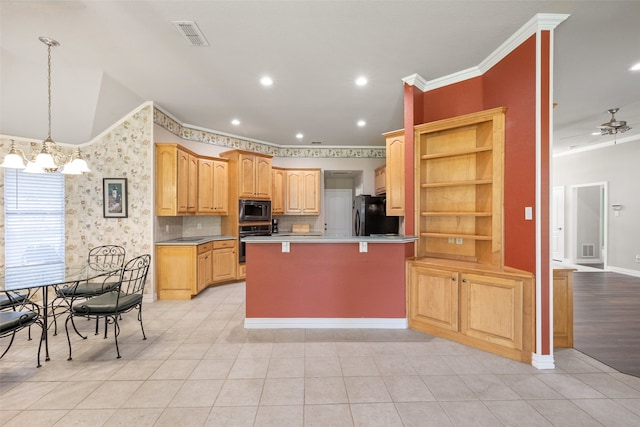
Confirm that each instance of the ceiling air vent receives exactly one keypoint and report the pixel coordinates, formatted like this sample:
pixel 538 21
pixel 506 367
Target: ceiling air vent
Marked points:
pixel 190 31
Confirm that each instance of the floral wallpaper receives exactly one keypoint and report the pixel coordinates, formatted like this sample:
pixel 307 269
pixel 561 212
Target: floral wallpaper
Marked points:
pixel 197 135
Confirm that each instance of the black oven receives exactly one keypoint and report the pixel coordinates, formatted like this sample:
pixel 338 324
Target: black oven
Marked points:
pixel 254 210
pixel 250 230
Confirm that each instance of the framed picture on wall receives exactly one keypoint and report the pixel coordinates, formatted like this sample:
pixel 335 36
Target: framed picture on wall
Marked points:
pixel 114 197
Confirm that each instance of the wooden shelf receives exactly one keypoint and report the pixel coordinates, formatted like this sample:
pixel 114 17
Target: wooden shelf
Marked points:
pixel 455 153
pixel 469 214
pixel 456 183
pixel 455 236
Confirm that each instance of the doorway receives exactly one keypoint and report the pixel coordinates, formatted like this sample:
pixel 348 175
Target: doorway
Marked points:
pixel 589 237
pixel 339 190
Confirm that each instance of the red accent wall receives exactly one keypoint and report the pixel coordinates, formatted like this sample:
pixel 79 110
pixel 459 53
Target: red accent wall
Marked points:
pixel 453 100
pixel 413 108
pixel 331 280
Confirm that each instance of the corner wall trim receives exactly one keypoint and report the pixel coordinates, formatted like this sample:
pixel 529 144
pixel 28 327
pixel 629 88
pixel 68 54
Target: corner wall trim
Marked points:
pixel 325 323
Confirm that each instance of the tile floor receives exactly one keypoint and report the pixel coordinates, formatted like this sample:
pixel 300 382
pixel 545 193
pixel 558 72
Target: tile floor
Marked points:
pixel 200 367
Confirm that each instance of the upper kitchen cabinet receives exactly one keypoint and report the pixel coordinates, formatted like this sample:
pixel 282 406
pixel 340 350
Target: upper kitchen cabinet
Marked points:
pixel 394 173
pixel 278 190
pixel 213 182
pixel 302 194
pixel 176 180
pixel 253 174
pixel 459 186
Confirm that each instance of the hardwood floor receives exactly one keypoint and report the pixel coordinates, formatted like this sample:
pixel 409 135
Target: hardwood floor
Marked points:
pixel 607 319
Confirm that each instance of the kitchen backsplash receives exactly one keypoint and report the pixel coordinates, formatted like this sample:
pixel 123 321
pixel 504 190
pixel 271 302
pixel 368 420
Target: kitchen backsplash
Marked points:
pixel 172 227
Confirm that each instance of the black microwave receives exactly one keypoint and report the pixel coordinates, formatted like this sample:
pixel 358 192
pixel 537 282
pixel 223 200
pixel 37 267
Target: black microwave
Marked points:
pixel 254 210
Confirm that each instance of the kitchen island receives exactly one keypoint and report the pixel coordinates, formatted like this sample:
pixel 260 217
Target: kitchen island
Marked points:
pixel 326 282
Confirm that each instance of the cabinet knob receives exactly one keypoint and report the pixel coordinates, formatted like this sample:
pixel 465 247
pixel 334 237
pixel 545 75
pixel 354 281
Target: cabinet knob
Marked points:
pixel 453 279
pixel 464 280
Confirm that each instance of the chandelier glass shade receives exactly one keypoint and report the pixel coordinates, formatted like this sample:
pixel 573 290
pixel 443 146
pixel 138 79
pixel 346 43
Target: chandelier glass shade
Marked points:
pixel 49 157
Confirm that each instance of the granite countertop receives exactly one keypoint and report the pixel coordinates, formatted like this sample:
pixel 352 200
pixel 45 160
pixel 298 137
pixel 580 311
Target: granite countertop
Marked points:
pixel 194 240
pixel 297 238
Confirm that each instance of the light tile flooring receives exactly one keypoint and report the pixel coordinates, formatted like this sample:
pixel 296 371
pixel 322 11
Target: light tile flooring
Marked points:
pixel 200 367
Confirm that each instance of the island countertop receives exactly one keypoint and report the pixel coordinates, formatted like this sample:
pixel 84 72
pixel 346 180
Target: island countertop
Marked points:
pixel 380 238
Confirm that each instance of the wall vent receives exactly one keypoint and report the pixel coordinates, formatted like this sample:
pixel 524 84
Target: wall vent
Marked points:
pixel 588 250
pixel 190 31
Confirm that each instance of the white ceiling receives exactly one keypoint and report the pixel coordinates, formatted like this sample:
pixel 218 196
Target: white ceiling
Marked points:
pixel 114 55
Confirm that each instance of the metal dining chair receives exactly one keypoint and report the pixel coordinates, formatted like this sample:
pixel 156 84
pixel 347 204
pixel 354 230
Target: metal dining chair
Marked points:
pixel 100 258
pixel 124 297
pixel 14 317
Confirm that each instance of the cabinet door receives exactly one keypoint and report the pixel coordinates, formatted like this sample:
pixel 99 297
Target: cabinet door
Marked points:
pixel 293 197
pixel 263 177
pixel 394 176
pixel 205 186
pixel 220 187
pixel 491 309
pixel 277 196
pixel 205 270
pixel 246 178
pixel 166 180
pixel 183 181
pixel 310 192
pixel 224 264
pixel 379 180
pixel 433 300
pixel 192 194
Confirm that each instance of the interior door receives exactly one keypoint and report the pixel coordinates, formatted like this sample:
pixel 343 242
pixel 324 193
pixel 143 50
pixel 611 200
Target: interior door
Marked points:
pixel 557 224
pixel 337 212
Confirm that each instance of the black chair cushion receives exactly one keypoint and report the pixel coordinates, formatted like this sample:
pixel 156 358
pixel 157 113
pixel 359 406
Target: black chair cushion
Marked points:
pixel 106 303
pixel 15 299
pixel 12 320
pixel 86 290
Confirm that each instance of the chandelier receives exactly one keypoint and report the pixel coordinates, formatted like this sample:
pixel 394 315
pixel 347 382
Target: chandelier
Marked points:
pixel 49 157
pixel 613 126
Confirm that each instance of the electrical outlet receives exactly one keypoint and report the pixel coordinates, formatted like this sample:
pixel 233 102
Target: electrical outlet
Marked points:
pixel 451 240
pixel 166 228
pixel 637 258
pixel 199 226
pixel 458 240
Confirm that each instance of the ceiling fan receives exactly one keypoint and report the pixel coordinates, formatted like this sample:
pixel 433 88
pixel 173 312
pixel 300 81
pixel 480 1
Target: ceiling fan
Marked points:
pixel 613 126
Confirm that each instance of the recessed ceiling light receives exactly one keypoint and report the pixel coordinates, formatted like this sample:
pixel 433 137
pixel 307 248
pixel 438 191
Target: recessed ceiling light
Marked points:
pixel 235 122
pixel 361 123
pixel 361 81
pixel 266 81
pixel 635 67
pixel 299 135
pixel 595 133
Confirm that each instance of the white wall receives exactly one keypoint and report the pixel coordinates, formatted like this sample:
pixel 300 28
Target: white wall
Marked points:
pixel 619 166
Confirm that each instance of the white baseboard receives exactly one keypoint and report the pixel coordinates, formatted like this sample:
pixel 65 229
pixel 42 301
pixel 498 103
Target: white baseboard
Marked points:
pixel 325 323
pixel 543 361
pixel 626 271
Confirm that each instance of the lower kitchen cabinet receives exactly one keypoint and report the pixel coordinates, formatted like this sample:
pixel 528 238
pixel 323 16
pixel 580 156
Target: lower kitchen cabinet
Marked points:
pixel 183 271
pixel 477 305
pixel 224 261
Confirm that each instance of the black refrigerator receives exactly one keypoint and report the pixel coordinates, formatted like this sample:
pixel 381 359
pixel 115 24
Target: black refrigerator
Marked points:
pixel 370 216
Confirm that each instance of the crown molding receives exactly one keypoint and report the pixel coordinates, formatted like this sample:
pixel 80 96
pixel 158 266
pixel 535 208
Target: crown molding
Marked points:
pixel 539 22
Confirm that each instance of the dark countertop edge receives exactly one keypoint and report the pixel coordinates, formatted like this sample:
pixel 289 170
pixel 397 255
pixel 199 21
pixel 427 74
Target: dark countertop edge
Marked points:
pixel 197 240
pixel 323 239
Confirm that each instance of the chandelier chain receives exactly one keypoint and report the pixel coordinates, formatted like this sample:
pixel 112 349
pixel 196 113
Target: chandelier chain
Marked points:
pixel 49 87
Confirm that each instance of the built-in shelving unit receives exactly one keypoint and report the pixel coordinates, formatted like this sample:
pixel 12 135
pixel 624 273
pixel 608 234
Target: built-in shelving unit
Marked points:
pixel 459 168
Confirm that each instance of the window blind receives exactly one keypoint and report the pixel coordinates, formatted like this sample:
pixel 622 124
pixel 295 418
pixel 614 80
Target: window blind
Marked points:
pixel 34 226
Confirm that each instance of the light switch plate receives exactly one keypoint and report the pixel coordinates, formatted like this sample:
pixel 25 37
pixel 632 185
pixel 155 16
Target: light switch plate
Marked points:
pixel 528 213
pixel 285 247
pixel 363 247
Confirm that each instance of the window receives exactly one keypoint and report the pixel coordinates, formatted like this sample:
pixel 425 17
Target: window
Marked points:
pixel 34 225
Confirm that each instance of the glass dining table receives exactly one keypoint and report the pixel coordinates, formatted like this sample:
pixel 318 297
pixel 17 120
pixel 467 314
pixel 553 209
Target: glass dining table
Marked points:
pixel 40 280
